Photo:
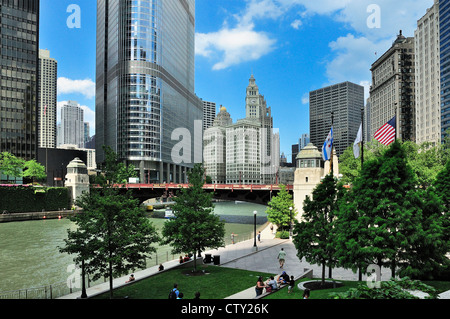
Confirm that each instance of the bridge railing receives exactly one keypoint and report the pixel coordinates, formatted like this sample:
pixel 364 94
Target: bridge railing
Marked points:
pixel 250 187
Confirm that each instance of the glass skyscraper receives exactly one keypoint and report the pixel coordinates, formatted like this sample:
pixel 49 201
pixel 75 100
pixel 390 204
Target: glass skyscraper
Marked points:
pixel 444 21
pixel 19 55
pixel 145 86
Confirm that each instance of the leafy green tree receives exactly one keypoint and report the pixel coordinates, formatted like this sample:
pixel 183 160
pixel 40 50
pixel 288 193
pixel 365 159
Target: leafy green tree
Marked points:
pixel 279 210
pixel 429 244
pixel 442 186
pixel 11 165
pixel 386 213
pixel 113 235
pixel 314 236
pixel 113 170
pixel 351 237
pixel 350 167
pixel 425 160
pixel 195 227
pixel 34 170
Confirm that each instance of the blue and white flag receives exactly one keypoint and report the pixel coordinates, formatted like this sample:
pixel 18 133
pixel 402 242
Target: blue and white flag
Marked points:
pixel 327 146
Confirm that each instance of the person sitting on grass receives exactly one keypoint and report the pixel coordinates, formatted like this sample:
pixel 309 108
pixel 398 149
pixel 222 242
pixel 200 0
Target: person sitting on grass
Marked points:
pixel 283 279
pixel 130 279
pixel 272 283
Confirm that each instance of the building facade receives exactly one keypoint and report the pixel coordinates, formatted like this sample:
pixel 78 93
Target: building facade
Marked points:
pixel 145 86
pixel 47 98
pixel 215 147
pixel 247 151
pixel 19 57
pixel 72 125
pixel 392 92
pixel 444 30
pixel 428 103
pixel 209 114
pixel 341 103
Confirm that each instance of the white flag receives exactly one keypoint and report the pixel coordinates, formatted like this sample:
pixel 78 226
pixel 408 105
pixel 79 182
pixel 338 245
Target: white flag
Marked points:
pixel 357 141
pixel 327 146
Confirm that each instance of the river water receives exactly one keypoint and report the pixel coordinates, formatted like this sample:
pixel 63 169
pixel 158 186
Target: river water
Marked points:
pixel 30 258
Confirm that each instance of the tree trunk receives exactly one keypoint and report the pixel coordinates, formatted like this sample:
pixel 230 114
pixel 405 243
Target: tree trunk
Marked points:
pixel 195 261
pixel 111 291
pixel 393 268
pixel 323 273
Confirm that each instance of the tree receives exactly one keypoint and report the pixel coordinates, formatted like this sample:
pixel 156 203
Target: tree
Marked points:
pixel 113 235
pixel 350 167
pixel 314 236
pixel 389 216
pixel 425 160
pixel 195 227
pixel 34 170
pixel 279 212
pixel 442 185
pixel 113 170
pixel 11 165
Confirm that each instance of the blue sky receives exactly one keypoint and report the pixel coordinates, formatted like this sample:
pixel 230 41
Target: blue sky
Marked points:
pixel 291 46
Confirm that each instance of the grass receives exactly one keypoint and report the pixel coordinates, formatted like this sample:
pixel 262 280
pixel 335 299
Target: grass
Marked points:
pixel 297 293
pixel 218 283
pixel 315 294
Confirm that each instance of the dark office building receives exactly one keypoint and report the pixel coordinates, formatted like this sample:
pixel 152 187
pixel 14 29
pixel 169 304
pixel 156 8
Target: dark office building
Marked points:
pixel 55 160
pixel 344 101
pixel 295 150
pixel 19 56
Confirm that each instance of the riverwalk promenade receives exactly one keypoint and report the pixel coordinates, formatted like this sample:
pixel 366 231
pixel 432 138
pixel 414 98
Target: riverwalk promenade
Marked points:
pixel 243 255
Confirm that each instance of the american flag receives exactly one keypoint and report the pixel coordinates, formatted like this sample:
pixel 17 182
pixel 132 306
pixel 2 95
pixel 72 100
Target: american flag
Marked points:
pixel 386 134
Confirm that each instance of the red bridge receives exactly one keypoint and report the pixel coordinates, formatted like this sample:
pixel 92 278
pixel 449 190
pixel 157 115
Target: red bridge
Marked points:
pixel 259 194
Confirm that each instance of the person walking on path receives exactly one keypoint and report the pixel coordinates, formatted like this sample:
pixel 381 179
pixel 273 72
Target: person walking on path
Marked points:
pixel 259 236
pixel 281 257
pixel 232 237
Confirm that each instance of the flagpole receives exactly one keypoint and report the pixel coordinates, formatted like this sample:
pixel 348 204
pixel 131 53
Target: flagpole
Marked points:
pixel 362 136
pixel 332 145
pixel 396 119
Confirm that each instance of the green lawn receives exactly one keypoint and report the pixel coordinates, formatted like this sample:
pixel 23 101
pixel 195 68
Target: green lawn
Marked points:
pixel 316 294
pixel 219 283
pixel 440 286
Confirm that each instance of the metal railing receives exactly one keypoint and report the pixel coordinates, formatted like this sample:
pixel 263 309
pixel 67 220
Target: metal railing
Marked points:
pixel 60 289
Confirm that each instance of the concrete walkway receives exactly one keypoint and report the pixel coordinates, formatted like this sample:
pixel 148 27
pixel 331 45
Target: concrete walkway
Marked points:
pixel 243 255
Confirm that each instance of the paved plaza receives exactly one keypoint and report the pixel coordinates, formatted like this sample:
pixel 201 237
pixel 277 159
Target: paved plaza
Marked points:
pixel 243 255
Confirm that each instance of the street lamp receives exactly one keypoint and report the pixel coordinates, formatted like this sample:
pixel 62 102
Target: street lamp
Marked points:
pixel 254 219
pixel 290 222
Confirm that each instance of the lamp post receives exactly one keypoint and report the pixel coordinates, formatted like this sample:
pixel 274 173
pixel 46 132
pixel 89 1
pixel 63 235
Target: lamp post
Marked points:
pixel 290 222
pixel 254 219
pixel 83 278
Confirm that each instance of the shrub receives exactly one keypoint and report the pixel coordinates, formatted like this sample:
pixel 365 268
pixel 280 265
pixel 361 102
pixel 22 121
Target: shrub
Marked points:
pixel 284 234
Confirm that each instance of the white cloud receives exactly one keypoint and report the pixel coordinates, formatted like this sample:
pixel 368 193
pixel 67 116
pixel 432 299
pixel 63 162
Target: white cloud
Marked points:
pixel 296 24
pixel 353 58
pixel 305 98
pixel 233 46
pixel 84 87
pixel 352 54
